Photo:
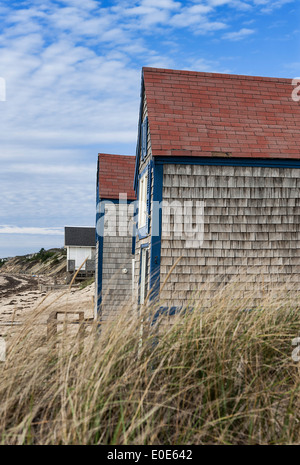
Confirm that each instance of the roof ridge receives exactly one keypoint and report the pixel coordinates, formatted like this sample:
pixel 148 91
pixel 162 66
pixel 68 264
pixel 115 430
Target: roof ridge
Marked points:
pixel 114 155
pixel 216 75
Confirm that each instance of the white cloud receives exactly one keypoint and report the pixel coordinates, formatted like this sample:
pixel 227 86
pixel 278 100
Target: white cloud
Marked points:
pixel 238 35
pixel 167 4
pixel 72 70
pixel 190 15
pixel 86 5
pixel 208 66
pixel 269 5
pixel 2 89
pixel 74 171
pixel 4 229
pixel 295 66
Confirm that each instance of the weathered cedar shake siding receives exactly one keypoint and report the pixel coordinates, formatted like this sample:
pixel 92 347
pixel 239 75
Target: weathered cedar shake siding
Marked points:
pixel 115 177
pixel 117 256
pixel 251 213
pixel 251 229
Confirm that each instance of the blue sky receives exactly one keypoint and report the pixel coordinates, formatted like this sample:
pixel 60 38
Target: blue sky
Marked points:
pixel 72 70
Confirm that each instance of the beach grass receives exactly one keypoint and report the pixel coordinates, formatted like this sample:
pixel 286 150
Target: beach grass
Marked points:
pixel 221 371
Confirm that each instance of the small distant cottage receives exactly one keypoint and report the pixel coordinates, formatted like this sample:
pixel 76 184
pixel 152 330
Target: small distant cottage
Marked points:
pixel 217 183
pixel 80 242
pixel 114 228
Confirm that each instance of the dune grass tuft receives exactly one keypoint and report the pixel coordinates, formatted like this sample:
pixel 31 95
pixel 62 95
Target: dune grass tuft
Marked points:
pixel 220 373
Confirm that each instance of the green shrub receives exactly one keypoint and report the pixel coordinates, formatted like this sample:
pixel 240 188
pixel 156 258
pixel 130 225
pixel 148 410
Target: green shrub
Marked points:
pixel 86 283
pixel 41 256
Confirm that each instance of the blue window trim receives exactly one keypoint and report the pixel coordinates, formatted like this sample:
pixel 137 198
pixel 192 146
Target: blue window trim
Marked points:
pixel 143 232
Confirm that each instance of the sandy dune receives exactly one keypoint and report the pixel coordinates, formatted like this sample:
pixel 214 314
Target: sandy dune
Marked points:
pixel 20 296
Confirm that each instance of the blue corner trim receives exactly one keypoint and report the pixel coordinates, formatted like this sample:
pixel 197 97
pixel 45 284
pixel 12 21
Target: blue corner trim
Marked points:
pixel 99 235
pixel 150 165
pixel 220 161
pixel 99 241
pixel 170 311
pixel 167 311
pixel 142 246
pixel 156 227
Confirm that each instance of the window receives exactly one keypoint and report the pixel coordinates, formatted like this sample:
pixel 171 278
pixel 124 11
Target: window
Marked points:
pixel 142 221
pixel 144 202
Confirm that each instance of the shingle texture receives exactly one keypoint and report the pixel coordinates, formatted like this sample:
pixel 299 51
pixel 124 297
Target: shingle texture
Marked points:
pixel 117 256
pixel 206 114
pixel 80 236
pixel 115 176
pixel 250 235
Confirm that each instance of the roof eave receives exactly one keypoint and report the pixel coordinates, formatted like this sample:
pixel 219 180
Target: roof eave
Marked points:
pixel 137 156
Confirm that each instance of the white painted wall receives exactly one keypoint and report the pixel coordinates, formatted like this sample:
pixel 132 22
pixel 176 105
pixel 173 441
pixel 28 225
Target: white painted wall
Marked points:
pixel 79 254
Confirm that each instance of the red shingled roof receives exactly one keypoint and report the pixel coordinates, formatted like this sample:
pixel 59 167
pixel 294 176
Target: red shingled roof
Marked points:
pixel 206 114
pixel 116 173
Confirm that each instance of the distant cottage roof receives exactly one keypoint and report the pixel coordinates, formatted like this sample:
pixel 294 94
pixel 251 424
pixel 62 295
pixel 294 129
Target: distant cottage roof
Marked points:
pixel 115 176
pixel 207 114
pixel 80 236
